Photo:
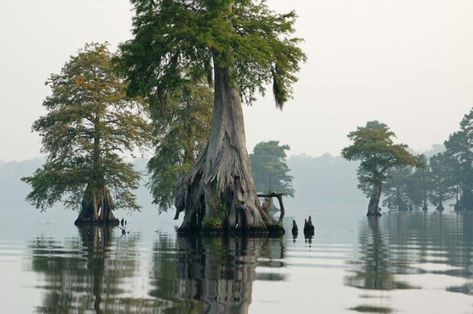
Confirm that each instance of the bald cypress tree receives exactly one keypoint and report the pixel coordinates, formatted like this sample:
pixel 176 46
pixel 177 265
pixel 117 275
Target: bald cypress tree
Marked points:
pixel 89 126
pixel 239 46
pixel 374 147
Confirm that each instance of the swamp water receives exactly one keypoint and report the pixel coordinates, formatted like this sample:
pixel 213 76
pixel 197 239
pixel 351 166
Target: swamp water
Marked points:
pixel 402 263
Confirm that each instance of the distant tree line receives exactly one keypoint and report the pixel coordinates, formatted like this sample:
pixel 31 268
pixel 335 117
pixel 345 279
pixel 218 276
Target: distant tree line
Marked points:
pixel 446 177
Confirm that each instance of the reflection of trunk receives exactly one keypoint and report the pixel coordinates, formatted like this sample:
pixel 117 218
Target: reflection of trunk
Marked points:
pixel 97 240
pixel 218 273
pixel 97 207
pixel 219 192
pixel 373 207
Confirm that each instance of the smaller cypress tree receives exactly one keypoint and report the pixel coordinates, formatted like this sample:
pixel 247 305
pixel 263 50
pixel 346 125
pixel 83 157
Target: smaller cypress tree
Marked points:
pixel 89 126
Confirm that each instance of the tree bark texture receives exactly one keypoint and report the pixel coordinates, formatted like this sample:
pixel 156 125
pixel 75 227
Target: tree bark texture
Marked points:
pixel 219 192
pixel 97 206
pixel 373 206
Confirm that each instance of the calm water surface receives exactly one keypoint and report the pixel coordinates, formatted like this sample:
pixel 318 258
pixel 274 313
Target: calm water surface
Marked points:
pixel 405 263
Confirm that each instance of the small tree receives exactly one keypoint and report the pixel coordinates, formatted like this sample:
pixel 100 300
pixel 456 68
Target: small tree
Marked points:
pixel 421 183
pixel 407 187
pixel 270 170
pixel 181 128
pixel 89 125
pixel 373 146
pixel 442 169
pixel 397 189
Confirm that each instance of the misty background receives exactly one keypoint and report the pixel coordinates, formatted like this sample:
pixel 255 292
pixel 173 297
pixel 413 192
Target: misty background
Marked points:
pixel 405 63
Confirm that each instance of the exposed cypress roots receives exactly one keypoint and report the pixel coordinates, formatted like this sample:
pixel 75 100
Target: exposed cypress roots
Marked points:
pixel 218 194
pixel 97 206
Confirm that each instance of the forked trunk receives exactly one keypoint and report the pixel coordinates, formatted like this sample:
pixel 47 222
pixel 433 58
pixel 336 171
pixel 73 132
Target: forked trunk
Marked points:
pixel 219 193
pixel 373 207
pixel 96 207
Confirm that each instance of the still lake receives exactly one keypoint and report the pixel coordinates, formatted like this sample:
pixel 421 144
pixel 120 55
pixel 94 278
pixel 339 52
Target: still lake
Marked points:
pixel 401 263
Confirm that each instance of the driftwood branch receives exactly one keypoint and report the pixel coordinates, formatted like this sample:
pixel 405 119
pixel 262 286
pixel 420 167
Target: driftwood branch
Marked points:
pixel 281 205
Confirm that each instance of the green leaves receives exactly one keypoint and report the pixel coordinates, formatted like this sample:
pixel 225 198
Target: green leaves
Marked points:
pixel 373 145
pixel 269 167
pixel 181 128
pixel 90 124
pixel 460 152
pixel 177 40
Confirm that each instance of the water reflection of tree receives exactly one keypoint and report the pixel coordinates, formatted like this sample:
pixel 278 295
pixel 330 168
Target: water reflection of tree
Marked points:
pixel 85 274
pixel 212 275
pixel 401 243
pixel 374 267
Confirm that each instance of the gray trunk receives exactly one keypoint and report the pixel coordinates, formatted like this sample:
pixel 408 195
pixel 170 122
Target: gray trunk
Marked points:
pixel 219 193
pixel 373 206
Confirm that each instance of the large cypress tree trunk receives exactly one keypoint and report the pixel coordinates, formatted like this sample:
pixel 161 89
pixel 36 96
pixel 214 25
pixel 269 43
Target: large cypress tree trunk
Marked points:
pixel 373 206
pixel 97 206
pixel 219 193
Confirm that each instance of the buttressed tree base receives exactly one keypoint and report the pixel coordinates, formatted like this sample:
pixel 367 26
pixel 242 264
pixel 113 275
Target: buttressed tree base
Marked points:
pixel 238 46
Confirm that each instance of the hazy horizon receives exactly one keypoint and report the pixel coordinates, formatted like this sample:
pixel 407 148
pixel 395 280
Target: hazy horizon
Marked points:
pixel 406 63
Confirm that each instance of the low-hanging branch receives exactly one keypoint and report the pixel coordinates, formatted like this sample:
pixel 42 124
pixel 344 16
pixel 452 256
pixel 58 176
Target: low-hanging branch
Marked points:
pixel 279 197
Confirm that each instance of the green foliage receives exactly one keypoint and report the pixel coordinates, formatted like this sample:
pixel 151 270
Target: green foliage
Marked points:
pixel 459 150
pixel 217 220
pixel 408 188
pixel 181 129
pixel 373 146
pixel 270 170
pixel 442 178
pixel 177 41
pixel 90 124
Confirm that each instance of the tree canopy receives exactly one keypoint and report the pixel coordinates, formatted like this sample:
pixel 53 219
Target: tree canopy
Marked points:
pixel 89 127
pixel 269 167
pixel 180 40
pixel 374 147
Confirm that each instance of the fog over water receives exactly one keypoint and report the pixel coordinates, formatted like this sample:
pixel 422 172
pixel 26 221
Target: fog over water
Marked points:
pixel 406 63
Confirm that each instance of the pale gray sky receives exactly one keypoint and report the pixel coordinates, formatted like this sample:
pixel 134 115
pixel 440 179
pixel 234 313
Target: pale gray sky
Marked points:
pixel 408 63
